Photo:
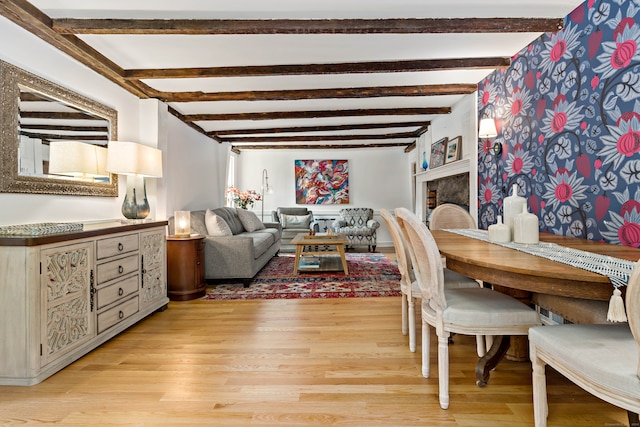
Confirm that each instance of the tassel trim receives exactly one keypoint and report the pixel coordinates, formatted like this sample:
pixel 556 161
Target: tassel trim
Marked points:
pixel 616 311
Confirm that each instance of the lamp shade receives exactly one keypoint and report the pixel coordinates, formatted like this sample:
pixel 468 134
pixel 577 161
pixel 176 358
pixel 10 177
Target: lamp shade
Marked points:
pixel 75 158
pixel 130 158
pixel 487 129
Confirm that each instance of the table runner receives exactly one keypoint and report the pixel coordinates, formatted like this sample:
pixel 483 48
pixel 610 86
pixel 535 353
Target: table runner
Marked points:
pixel 616 269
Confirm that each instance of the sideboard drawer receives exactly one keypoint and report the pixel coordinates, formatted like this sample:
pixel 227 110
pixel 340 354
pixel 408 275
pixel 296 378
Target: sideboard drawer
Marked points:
pixel 106 248
pixel 117 291
pixel 117 314
pixel 116 268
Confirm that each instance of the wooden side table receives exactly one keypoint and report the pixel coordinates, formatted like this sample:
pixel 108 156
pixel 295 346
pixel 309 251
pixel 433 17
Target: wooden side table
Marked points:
pixel 185 267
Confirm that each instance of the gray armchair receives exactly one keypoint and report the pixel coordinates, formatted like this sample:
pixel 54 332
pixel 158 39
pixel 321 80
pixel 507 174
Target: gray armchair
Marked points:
pixel 358 225
pixel 293 221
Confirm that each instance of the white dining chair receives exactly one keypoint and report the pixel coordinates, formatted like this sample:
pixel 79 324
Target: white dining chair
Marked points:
pixel 467 311
pixel 448 215
pixel 602 359
pixel 408 285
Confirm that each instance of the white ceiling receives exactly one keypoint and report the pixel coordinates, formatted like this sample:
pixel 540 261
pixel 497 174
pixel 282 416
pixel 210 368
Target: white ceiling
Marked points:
pixel 133 51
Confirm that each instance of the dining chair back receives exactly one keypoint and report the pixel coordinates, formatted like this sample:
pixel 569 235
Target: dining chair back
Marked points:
pixel 602 359
pixel 448 215
pixel 408 285
pixel 468 311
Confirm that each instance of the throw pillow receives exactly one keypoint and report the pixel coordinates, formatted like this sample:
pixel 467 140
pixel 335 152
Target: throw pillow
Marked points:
pixel 295 221
pixel 250 220
pixel 216 226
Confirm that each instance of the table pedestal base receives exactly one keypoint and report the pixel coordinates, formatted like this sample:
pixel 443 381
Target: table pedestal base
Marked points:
pixel 491 359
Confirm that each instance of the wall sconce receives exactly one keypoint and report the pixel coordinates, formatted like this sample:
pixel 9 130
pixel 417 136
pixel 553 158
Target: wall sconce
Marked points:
pixel 264 189
pixel 182 223
pixel 488 131
pixel 78 160
pixel 138 162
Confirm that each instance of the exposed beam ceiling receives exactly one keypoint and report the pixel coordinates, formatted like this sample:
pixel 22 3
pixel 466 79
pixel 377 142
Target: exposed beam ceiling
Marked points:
pixel 284 73
pixel 305 26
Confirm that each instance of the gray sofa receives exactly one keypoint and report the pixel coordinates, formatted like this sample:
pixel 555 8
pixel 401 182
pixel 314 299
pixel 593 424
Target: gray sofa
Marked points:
pixel 292 228
pixel 240 256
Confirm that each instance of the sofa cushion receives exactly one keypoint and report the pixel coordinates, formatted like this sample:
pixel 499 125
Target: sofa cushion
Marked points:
pixel 262 240
pixel 296 221
pixel 198 225
pixel 250 220
pixel 230 215
pixel 216 226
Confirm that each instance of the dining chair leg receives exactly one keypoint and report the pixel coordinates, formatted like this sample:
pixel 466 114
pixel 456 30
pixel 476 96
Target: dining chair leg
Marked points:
pixel 426 344
pixel 443 369
pixel 405 319
pixel 540 407
pixel 412 324
pixel 480 345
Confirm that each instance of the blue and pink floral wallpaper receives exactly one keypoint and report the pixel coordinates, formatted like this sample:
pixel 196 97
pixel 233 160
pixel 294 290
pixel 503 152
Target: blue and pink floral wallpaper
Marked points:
pixel 567 112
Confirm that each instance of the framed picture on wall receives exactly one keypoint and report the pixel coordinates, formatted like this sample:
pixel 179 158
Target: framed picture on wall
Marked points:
pixel 453 149
pixel 437 153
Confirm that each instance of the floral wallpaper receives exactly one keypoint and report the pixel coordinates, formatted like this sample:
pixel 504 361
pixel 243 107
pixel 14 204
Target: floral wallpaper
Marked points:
pixel 568 117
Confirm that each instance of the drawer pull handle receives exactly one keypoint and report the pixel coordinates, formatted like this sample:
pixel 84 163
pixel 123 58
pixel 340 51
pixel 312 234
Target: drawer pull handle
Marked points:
pixel 120 314
pixel 120 247
pixel 120 292
pixel 120 269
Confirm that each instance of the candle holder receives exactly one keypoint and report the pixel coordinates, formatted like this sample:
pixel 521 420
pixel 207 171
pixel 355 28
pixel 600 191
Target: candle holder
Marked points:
pixel 182 223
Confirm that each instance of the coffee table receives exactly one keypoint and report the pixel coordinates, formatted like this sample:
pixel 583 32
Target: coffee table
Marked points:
pixel 304 241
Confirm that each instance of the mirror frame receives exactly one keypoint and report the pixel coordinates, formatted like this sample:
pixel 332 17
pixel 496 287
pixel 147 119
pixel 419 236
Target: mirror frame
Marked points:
pixel 10 180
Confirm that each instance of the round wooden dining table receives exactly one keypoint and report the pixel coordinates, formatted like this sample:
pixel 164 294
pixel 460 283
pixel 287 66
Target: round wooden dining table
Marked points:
pixel 511 268
pixel 516 270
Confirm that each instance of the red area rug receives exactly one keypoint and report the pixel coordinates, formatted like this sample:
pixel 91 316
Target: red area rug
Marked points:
pixel 370 275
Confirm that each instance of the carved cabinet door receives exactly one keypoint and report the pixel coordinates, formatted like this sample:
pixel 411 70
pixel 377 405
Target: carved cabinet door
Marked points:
pixel 66 280
pixel 153 280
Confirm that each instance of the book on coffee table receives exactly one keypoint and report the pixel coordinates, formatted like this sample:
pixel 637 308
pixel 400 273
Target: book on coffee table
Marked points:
pixel 308 262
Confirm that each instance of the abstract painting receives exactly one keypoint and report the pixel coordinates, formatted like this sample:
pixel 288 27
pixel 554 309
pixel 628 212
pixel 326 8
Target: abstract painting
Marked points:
pixel 322 182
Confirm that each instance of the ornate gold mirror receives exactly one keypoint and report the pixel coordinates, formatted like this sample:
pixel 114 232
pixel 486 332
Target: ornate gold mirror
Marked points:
pixel 52 140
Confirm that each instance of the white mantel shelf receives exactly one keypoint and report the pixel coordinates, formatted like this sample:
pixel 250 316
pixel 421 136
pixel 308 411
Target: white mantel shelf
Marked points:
pixel 454 168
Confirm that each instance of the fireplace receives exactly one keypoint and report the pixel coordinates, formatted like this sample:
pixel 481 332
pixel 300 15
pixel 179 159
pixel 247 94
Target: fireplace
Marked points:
pixel 451 189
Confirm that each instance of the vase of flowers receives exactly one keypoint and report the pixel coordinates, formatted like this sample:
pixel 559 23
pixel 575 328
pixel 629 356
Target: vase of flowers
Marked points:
pixel 242 199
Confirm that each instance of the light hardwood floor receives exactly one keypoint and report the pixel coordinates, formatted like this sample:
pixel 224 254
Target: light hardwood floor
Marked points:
pixel 285 363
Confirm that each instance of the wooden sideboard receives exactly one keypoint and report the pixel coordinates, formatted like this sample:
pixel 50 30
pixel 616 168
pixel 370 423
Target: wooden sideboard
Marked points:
pixel 64 294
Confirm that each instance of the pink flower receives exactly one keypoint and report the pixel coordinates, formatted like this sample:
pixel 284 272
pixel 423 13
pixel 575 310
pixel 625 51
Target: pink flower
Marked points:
pixel 558 50
pixel 629 234
pixel 629 143
pixel 559 121
pixel 563 191
pixel 623 54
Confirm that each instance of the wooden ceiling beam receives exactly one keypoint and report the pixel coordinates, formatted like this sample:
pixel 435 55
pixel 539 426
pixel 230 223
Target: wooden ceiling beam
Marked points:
pixel 237 148
pixel 274 115
pixel 307 26
pixel 314 69
pixel 25 15
pixel 229 132
pixel 355 92
pixel 308 138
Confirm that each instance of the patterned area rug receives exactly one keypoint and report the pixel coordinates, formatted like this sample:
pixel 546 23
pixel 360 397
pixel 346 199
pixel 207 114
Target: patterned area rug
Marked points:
pixel 370 275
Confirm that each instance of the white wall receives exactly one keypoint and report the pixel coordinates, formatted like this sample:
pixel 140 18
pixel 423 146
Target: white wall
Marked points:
pixel 461 122
pixel 378 178
pixel 194 166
